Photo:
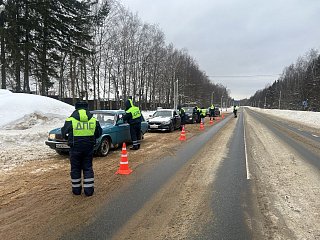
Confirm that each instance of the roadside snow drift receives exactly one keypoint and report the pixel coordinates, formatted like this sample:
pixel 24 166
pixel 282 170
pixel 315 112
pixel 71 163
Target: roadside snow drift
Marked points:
pixel 25 107
pixel 310 119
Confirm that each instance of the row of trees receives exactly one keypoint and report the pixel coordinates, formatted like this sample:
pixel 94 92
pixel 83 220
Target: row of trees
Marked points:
pixel 298 85
pixel 96 50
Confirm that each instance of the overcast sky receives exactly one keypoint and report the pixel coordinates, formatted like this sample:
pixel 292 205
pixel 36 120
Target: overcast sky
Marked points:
pixel 237 37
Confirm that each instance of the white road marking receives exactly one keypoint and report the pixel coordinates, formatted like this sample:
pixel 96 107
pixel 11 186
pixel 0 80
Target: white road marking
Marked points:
pixel 315 135
pixel 245 149
pixel 299 130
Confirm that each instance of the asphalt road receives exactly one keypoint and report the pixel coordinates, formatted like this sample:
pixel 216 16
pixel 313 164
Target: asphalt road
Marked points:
pixel 231 200
pixel 305 142
pixel 229 195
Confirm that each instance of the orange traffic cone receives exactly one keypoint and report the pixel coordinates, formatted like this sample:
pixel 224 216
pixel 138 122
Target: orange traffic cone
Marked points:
pixel 201 126
pixel 211 121
pixel 222 116
pixel 183 134
pixel 124 164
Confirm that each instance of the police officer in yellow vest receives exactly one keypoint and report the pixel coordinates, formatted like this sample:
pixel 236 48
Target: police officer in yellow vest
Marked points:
pixel 81 129
pixel 235 109
pixel 133 117
pixel 203 114
pixel 211 111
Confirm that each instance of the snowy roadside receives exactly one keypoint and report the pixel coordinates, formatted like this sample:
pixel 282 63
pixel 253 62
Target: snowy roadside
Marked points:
pixel 286 185
pixel 311 119
pixel 26 121
pixel 23 140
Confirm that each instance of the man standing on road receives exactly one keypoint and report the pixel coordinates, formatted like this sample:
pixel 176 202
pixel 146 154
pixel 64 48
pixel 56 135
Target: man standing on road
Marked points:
pixel 203 114
pixel 182 114
pixel 81 129
pixel 198 114
pixel 211 112
pixel 235 109
pixel 133 117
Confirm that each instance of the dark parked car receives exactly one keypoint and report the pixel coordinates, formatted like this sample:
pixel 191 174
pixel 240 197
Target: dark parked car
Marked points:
pixel 191 114
pixel 164 120
pixel 114 132
pixel 217 111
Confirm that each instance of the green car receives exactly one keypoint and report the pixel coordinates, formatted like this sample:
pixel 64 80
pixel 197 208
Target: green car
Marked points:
pixel 114 133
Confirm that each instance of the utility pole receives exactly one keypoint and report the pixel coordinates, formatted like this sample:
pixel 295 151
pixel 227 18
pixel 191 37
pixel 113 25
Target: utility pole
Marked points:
pixel 212 97
pixel 175 94
pixel 280 99
pixel 265 101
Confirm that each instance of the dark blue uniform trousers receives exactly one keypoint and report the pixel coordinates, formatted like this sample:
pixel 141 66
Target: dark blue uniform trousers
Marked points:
pixel 81 161
pixel 135 132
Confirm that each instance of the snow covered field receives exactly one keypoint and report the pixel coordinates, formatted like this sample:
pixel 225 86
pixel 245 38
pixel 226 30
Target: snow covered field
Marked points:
pixel 26 120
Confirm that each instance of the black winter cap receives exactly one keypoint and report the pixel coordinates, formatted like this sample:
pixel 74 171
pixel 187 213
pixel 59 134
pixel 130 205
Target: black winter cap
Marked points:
pixel 81 105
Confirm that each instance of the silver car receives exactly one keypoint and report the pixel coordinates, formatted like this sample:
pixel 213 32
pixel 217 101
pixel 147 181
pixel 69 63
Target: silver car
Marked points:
pixel 164 120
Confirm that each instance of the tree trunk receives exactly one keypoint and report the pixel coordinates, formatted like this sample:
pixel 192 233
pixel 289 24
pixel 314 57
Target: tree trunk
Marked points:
pixel 3 57
pixel 26 86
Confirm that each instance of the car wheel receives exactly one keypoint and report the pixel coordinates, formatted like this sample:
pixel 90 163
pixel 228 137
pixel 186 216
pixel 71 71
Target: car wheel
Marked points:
pixel 171 127
pixel 104 147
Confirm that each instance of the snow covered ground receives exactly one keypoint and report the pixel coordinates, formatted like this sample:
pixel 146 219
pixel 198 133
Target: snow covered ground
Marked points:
pixel 26 120
pixel 311 119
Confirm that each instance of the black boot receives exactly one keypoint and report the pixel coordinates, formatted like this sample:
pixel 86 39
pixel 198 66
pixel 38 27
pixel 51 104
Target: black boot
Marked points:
pixel 134 148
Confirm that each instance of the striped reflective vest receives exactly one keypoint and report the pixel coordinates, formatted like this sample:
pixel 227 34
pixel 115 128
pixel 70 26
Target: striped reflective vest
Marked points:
pixel 84 127
pixel 135 111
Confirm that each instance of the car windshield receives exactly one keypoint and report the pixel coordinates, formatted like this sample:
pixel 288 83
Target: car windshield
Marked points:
pixel 188 109
pixel 162 114
pixel 105 118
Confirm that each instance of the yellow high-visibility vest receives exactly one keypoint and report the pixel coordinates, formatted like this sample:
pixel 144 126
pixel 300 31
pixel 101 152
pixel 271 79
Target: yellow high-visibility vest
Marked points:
pixel 84 127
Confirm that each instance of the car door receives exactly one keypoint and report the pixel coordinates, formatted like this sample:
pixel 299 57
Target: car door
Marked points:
pixel 123 130
pixel 177 120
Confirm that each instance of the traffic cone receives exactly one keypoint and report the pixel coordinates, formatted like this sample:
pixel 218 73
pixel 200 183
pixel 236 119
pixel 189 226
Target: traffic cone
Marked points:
pixel 124 164
pixel 222 116
pixel 201 126
pixel 183 134
pixel 211 121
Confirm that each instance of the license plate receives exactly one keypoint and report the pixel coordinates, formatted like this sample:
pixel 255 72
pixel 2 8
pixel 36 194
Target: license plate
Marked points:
pixel 153 126
pixel 62 145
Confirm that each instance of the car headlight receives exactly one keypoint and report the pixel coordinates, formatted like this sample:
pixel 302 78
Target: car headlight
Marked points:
pixel 167 122
pixel 52 136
